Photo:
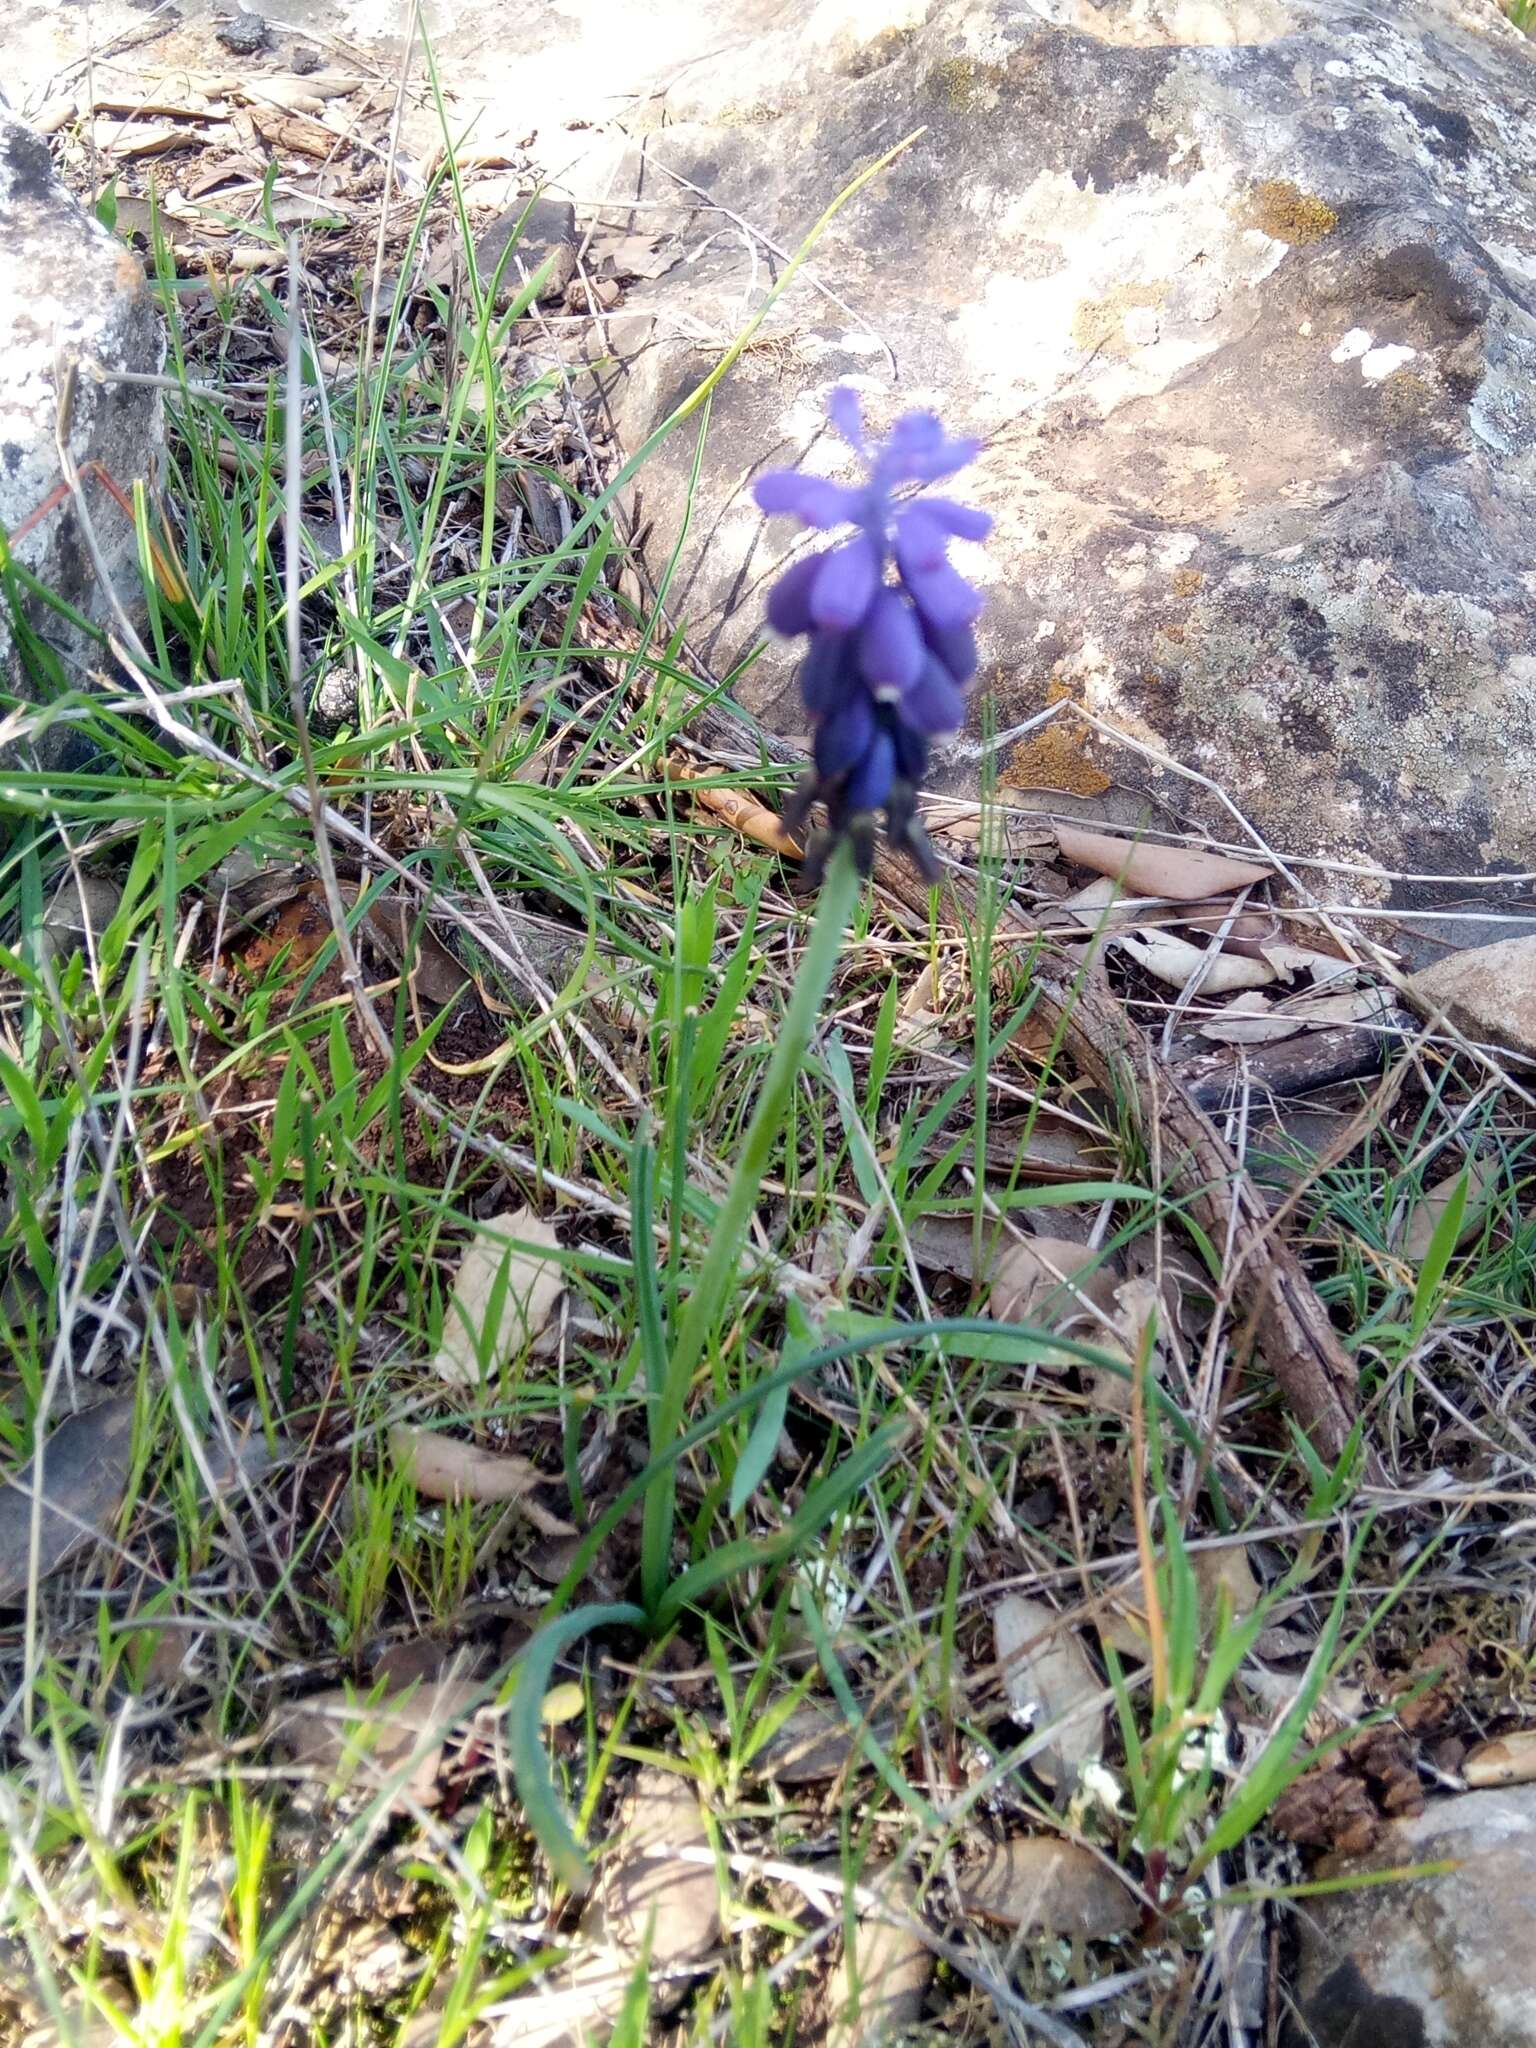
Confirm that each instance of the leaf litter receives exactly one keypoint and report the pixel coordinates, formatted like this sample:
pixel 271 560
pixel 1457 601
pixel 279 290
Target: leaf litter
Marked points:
pixel 504 1293
pixel 1051 1687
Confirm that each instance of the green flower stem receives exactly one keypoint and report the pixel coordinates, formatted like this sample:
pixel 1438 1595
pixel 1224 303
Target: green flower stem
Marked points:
pixel 839 893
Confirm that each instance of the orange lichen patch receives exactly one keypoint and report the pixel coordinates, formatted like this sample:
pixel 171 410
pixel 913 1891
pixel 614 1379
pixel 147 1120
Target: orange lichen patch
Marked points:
pixel 1056 757
pixel 1287 214
pixel 1186 582
pixel 1099 324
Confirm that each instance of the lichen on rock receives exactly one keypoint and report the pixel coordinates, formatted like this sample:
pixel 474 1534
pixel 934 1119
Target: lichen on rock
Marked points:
pixel 1241 298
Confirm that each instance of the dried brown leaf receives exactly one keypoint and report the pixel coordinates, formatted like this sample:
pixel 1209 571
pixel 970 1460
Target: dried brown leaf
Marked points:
pixel 447 1468
pixel 1135 1304
pixel 1250 1019
pixel 409 942
pixel 486 1323
pixel 816 1741
pixel 650 1898
pixel 1102 905
pixel 1059 1887
pixel 1226 1571
pixel 291 94
pixel 345 1739
pixel 1416 1231
pixel 1015 829
pixel 1175 961
pixel 739 809
pixel 130 139
pixel 55 114
pixel 1122 1619
pixel 1180 872
pixel 632 256
pixel 1038 1278
pixel 85 1466
pixel 177 100
pixel 650 1901
pixel 1509 1760
pixel 877 1990
pixel 1031 1148
pixel 1050 1685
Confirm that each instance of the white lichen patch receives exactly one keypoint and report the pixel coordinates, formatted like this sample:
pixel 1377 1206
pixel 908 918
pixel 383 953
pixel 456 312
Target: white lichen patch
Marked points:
pixel 1119 291
pixel 1378 364
pixel 1353 346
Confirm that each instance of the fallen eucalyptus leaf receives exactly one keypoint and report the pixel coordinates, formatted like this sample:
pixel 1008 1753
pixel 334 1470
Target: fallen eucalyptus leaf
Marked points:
pixel 1103 904
pixel 345 1739
pixel 86 1462
pixel 1416 1230
pixel 650 1901
pixel 1039 1276
pixel 647 1896
pixel 1175 961
pixel 1182 873
pixel 1059 1887
pixel 503 1296
pixel 1050 1685
pixel 446 1468
pixel 405 938
pixel 1250 1019
pixel 1137 1303
pixel 876 1987
pixel 1225 1570
pixel 816 1741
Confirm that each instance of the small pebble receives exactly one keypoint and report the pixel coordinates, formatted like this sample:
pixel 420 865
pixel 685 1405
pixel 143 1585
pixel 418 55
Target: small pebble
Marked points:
pixel 336 698
pixel 244 34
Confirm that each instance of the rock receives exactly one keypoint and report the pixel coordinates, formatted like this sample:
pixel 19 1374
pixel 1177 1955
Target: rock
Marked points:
pixel 1489 992
pixel 66 285
pixel 1438 1962
pixel 549 229
pixel 244 34
pixel 1240 293
pixel 336 697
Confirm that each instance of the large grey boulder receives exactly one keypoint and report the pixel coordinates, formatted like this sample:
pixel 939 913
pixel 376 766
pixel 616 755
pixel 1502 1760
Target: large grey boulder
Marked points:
pixel 68 292
pixel 1439 1962
pixel 1241 294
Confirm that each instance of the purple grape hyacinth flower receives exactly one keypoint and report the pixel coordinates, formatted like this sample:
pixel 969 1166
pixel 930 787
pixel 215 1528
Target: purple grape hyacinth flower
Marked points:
pixel 888 661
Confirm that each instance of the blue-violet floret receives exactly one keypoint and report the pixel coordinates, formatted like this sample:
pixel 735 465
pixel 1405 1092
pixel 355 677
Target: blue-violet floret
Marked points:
pixel 887 661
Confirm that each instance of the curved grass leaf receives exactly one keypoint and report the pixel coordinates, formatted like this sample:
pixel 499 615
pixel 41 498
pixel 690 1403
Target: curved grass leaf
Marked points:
pixel 525 1739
